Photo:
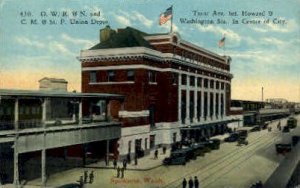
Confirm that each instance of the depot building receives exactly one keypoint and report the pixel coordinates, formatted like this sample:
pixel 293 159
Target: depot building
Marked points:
pixel 174 90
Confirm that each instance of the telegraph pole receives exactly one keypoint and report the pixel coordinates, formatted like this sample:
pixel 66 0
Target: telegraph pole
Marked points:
pixel 262 94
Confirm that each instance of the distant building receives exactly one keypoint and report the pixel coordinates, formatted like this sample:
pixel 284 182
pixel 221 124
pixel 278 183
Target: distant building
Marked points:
pixel 53 84
pixel 174 90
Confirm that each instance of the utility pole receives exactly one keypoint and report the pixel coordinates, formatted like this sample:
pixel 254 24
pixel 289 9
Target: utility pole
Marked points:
pixel 262 94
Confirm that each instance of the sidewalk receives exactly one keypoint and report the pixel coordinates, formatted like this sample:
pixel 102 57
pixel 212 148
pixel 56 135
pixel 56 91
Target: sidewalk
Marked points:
pixel 145 163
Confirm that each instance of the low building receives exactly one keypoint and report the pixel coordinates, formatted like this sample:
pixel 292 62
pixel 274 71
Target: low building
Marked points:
pixel 27 132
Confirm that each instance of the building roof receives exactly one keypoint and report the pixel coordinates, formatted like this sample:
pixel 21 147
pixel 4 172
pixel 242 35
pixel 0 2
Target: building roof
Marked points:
pixel 59 80
pixel 128 37
pixel 53 94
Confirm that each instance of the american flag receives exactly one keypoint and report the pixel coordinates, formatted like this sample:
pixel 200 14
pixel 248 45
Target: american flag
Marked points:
pixel 164 17
pixel 221 42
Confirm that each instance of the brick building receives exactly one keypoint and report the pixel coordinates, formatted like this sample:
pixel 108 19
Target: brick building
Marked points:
pixel 173 89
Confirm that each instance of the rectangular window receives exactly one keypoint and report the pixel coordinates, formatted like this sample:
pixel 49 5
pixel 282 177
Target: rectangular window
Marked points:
pixel 199 82
pixel 93 77
pixel 174 78
pixel 192 81
pixel 217 85
pixel 222 85
pixel 111 76
pixel 152 76
pixel 21 110
pixel 130 75
pixel 183 79
pixel 206 83
pixel 212 83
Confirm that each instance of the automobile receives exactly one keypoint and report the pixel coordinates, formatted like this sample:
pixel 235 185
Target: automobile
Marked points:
pixel 286 129
pixel 242 140
pixel 198 149
pixel 283 148
pixel 295 140
pixel 292 122
pixel 215 143
pixel 233 137
pixel 70 185
pixel 265 125
pixel 178 157
pixel 255 128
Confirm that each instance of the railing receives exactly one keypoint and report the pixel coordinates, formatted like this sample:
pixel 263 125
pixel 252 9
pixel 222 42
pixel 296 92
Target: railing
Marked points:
pixel 38 123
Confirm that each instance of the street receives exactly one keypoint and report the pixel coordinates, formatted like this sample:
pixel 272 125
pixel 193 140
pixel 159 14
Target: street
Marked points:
pixel 230 166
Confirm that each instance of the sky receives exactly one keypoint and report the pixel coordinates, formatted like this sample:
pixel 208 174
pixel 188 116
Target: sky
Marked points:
pixel 265 53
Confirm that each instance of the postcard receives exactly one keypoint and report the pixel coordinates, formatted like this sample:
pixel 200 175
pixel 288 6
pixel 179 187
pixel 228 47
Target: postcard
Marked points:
pixel 140 93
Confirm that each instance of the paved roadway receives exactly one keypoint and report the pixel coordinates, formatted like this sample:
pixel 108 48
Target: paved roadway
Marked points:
pixel 230 166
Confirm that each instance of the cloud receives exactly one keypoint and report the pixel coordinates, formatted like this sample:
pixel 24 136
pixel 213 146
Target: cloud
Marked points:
pixel 132 18
pixel 273 41
pixel 77 41
pixel 258 29
pixel 122 20
pixel 55 46
pixel 218 31
pixel 29 42
pixel 2 3
pixel 142 19
pixel 51 45
pixel 290 26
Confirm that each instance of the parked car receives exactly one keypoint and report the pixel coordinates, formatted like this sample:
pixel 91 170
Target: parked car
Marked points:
pixel 292 122
pixel 255 128
pixel 286 129
pixel 233 137
pixel 283 148
pixel 179 157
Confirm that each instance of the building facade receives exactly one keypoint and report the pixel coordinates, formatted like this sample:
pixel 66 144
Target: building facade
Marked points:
pixel 173 89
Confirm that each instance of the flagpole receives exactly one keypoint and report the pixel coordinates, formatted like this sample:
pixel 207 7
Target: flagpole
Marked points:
pixel 171 30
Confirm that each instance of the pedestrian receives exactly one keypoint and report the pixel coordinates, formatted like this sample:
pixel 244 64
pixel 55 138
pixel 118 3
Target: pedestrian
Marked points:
pixel 196 182
pixel 85 175
pixel 80 181
pixel 128 158
pixel 91 176
pixel 184 183
pixel 135 160
pixel 155 154
pixel 124 164
pixel 122 172
pixel 164 150
pixel 118 172
pixel 191 183
pixel 115 163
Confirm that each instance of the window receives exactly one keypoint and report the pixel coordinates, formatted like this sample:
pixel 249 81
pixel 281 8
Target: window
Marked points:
pixel 206 83
pixel 192 81
pixel 93 77
pixel 199 82
pixel 130 75
pixel 183 79
pixel 212 83
pixel 21 110
pixel 217 85
pixel 222 85
pixel 174 78
pixel 152 77
pixel 1 112
pixel 152 115
pixel 110 76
